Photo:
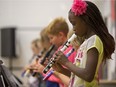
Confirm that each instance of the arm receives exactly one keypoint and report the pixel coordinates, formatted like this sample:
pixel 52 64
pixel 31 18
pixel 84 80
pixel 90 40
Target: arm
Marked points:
pixel 86 73
pixel 65 79
pixel 57 67
pixel 62 78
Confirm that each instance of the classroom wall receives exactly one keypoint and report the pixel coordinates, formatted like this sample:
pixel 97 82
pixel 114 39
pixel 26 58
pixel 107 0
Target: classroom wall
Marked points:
pixel 30 16
pixel 32 13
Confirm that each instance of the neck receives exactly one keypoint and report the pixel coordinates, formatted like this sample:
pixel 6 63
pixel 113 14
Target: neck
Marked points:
pixel 89 34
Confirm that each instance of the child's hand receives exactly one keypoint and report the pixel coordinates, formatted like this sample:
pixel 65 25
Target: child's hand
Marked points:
pixel 46 61
pixel 57 67
pixel 37 68
pixel 61 58
pixel 75 43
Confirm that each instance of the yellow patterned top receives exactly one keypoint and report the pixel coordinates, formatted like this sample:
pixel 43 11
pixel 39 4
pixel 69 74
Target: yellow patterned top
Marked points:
pixel 80 61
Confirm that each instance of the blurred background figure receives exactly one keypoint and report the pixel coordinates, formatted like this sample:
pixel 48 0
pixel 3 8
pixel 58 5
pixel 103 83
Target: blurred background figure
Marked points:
pixel 35 81
pixel 36 48
pixel 29 17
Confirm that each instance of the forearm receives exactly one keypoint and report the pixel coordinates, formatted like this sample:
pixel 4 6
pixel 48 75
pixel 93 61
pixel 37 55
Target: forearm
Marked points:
pixel 53 78
pixel 65 79
pixel 65 72
pixel 86 73
pixel 80 72
pixel 59 68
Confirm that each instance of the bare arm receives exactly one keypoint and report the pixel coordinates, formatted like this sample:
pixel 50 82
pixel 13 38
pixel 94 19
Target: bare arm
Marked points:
pixel 65 79
pixel 86 73
pixel 61 69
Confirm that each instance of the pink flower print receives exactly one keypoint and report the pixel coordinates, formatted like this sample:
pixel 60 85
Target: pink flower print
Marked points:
pixel 80 54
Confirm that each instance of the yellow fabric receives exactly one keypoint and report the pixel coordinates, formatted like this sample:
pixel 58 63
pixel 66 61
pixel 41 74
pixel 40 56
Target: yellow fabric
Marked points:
pixel 80 61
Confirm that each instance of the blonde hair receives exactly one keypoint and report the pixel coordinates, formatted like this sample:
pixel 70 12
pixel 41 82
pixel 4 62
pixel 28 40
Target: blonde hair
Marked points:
pixel 35 42
pixel 44 39
pixel 58 25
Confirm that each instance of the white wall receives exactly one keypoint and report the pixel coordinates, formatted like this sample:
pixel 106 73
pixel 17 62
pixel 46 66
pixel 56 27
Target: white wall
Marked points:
pixel 32 13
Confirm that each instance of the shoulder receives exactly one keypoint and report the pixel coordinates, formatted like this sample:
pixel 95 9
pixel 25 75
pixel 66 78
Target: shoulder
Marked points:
pixel 95 41
pixel 93 38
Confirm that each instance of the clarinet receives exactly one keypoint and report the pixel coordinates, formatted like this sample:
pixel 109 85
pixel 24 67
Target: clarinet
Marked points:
pixel 46 69
pixel 51 48
pixel 48 75
pixel 52 71
pixel 47 54
pixel 27 72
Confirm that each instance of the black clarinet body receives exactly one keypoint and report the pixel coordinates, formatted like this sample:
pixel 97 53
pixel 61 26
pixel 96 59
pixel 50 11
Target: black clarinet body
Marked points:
pixel 47 54
pixel 46 69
